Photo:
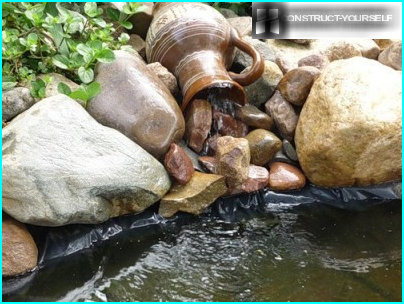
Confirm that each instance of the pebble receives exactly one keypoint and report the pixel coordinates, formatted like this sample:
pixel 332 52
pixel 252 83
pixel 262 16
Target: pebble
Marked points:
pixel 253 117
pixel 233 159
pixel 315 60
pixel 284 64
pixel 295 85
pixel 258 178
pixel 227 125
pixel 209 163
pixel 285 177
pixel 392 56
pixel 283 114
pixel 178 164
pixel 262 89
pixel 165 76
pixel 198 122
pixel 289 150
pixel 263 146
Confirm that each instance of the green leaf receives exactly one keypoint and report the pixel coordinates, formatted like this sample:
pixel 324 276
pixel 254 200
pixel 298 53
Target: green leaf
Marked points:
pixel 61 61
pixel 90 8
pixel 93 89
pixel 100 22
pixel 64 88
pixel 131 8
pixel 126 24
pixel 124 38
pixel 32 38
pixel 79 94
pixel 96 45
pixel 83 49
pixel 38 88
pixel 113 13
pixel 86 75
pixel 105 56
pixel 6 85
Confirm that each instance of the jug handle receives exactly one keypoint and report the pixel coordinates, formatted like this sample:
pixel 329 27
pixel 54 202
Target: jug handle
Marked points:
pixel 258 64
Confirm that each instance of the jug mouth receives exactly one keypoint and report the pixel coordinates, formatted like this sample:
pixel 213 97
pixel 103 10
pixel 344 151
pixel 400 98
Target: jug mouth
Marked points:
pixel 215 89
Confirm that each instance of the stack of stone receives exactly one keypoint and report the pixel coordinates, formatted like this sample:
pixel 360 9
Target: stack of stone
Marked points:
pixel 324 110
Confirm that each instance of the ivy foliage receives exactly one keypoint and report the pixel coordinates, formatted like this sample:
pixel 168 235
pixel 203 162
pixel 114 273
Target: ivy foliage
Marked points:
pixel 66 38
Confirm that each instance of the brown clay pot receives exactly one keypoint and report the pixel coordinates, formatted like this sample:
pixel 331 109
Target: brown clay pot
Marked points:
pixel 196 43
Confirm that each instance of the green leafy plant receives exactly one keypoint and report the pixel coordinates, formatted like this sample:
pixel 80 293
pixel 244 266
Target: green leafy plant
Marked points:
pixel 67 38
pixel 84 92
pixel 38 87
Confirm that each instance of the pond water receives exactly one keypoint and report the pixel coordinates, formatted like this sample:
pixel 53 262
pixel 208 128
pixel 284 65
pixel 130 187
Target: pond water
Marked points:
pixel 300 253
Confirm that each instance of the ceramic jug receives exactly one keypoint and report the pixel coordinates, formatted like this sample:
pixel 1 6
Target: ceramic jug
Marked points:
pixel 197 44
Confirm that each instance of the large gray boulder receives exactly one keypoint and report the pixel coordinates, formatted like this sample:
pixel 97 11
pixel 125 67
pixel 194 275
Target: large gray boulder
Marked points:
pixel 61 167
pixel 349 130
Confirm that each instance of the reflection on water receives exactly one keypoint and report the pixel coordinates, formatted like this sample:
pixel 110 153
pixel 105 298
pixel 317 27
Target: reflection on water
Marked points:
pixel 304 253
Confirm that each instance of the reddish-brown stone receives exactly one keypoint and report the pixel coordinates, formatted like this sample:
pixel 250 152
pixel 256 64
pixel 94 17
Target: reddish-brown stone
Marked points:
pixel 209 163
pixel 198 123
pixel 227 125
pixel 283 64
pixel 258 178
pixel 20 253
pixel 295 85
pixel 315 60
pixel 253 117
pixel 283 114
pixel 178 164
pixel 211 145
pixel 284 177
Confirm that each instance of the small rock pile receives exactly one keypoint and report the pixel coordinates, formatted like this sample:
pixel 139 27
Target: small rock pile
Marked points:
pixel 326 111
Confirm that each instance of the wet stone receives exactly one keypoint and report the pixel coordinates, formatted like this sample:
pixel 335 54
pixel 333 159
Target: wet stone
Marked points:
pixel 20 253
pixel 192 155
pixel 289 150
pixel 258 178
pixel 211 145
pixel 194 197
pixel 284 115
pixel 281 157
pixel 285 177
pixel 209 163
pixel 233 159
pixel 262 89
pixel 295 85
pixel 263 146
pixel 198 120
pixel 178 164
pixel 227 125
pixel 253 117
pixel 315 60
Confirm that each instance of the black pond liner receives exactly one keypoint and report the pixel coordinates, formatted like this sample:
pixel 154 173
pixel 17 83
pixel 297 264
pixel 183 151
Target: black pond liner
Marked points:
pixel 56 243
